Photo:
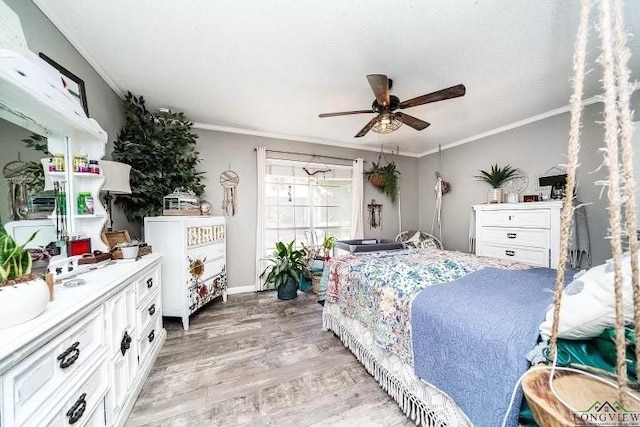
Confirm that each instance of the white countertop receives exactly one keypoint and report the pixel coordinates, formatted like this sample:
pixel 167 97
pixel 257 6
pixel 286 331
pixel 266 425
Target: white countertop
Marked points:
pixel 18 342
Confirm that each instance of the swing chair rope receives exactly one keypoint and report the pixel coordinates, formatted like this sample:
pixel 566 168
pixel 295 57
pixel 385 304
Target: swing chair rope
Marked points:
pixel 572 165
pixel 622 55
pixel 611 156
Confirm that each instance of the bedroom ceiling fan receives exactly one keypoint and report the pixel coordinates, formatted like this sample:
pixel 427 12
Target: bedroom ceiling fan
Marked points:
pixel 386 104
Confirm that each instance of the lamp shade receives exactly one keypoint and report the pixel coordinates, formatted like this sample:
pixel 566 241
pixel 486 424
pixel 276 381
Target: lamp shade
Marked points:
pixel 116 177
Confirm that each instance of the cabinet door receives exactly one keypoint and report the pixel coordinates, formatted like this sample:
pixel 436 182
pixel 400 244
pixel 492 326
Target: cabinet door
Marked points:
pixel 123 350
pixel 120 319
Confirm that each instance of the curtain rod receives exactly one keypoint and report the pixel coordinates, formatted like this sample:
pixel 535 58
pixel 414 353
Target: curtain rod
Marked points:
pixel 308 154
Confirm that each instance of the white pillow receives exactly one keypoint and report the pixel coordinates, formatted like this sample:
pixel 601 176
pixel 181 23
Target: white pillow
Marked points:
pixel 588 303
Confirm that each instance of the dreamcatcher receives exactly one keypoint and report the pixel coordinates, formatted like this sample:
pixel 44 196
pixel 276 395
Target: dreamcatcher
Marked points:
pixel 229 181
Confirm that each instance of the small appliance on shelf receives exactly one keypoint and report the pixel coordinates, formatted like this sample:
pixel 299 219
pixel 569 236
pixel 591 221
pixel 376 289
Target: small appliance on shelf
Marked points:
pixel 181 202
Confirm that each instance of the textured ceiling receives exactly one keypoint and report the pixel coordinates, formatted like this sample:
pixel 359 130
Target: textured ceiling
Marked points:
pixel 273 66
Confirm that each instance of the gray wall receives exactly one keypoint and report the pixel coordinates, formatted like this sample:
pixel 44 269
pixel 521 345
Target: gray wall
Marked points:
pixel 534 148
pixel 220 150
pixel 104 104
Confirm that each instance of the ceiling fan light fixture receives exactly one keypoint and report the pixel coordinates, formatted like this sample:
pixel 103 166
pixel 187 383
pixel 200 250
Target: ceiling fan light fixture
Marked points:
pixel 386 123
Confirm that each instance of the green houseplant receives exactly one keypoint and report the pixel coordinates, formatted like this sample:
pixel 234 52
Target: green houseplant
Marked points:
pixel 496 177
pixel 23 296
pixel 384 178
pixel 161 150
pixel 286 269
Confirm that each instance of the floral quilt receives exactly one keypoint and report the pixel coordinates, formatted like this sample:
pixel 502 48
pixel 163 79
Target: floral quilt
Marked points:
pixel 377 288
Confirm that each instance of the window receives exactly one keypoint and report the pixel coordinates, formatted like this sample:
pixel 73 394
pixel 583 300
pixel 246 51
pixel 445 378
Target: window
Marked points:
pixel 298 204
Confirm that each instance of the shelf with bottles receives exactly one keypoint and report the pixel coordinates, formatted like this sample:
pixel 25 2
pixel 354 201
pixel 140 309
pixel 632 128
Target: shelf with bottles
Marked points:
pixel 89 216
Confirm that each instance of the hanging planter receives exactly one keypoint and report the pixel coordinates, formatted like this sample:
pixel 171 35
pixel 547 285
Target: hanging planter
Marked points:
pixel 384 178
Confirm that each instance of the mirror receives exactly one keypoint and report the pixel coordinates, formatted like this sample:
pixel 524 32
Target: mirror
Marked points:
pixel 25 206
pixel 22 174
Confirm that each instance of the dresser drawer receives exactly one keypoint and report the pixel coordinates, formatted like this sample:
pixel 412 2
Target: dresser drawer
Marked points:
pixel 516 218
pixel 41 376
pixel 207 253
pixel 85 404
pixel 148 312
pixel 533 256
pixel 536 238
pixel 147 283
pixel 148 338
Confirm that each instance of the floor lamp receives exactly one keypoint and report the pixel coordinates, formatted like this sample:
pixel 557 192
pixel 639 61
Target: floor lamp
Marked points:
pixel 116 181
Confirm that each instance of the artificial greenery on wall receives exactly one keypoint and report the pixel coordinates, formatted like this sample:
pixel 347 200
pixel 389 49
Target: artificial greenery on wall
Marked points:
pixel 162 153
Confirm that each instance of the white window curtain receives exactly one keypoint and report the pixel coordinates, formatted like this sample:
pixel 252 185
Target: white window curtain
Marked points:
pixel 261 157
pixel 357 199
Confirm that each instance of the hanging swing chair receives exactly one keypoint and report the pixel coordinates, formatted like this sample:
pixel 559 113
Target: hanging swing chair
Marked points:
pixel 559 396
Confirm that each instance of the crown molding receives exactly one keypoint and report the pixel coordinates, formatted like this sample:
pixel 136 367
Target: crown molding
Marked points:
pixel 77 44
pixel 274 135
pixel 532 119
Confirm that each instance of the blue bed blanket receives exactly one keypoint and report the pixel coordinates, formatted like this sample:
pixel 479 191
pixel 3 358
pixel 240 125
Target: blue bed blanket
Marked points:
pixel 471 336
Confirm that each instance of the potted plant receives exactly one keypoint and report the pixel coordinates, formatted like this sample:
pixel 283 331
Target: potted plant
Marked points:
pixel 286 270
pixel 384 178
pixel 328 243
pixel 496 177
pixel 23 295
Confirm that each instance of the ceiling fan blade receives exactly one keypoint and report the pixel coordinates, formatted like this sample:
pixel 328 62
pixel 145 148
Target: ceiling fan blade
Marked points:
pixel 441 95
pixel 367 128
pixel 344 113
pixel 380 86
pixel 408 120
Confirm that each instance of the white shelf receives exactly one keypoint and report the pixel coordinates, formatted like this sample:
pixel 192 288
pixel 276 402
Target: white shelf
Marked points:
pixel 88 175
pixel 89 216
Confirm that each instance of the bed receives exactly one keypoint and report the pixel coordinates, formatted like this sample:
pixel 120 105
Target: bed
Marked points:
pixel 368 305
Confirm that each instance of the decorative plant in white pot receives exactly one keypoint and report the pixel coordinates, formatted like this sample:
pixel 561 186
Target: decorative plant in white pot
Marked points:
pixel 496 177
pixel 23 295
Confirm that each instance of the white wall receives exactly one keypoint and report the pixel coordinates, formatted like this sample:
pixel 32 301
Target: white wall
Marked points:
pixel 220 150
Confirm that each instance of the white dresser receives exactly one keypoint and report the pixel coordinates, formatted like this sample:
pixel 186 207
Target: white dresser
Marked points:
pixel 85 359
pixel 524 232
pixel 194 268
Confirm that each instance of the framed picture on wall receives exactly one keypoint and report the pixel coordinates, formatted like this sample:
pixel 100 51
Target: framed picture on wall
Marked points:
pixel 72 83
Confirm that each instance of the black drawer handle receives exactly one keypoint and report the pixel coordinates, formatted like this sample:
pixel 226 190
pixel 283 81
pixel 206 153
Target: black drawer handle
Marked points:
pixel 125 344
pixel 152 309
pixel 152 336
pixel 511 235
pixel 150 282
pixel 69 356
pixel 77 410
pixel 510 253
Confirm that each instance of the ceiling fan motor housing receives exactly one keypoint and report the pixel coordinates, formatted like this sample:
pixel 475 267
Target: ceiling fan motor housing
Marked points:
pixel 394 102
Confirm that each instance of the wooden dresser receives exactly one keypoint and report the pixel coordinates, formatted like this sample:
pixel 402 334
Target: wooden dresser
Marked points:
pixel 524 232
pixel 194 267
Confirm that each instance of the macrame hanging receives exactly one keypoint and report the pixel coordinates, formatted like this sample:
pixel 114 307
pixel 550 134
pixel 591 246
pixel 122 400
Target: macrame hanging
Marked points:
pixel 552 408
pixel 441 188
pixel 229 181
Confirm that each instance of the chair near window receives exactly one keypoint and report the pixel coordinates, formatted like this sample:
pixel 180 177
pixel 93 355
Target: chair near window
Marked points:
pixel 419 239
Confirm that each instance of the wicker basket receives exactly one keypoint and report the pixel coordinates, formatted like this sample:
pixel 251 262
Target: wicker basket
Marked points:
pixel 578 390
pixel 377 180
pixel 315 283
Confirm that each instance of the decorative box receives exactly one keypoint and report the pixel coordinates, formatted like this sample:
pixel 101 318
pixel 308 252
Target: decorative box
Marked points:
pixel 181 202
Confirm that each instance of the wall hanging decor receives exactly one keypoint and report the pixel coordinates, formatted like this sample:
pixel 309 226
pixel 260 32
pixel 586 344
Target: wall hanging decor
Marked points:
pixel 384 177
pixel 375 214
pixel 229 181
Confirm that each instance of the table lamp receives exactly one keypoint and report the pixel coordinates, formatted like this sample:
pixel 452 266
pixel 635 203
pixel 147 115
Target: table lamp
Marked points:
pixel 116 181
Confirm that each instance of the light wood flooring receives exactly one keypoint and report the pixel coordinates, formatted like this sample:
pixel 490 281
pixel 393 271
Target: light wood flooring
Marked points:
pixel 258 361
